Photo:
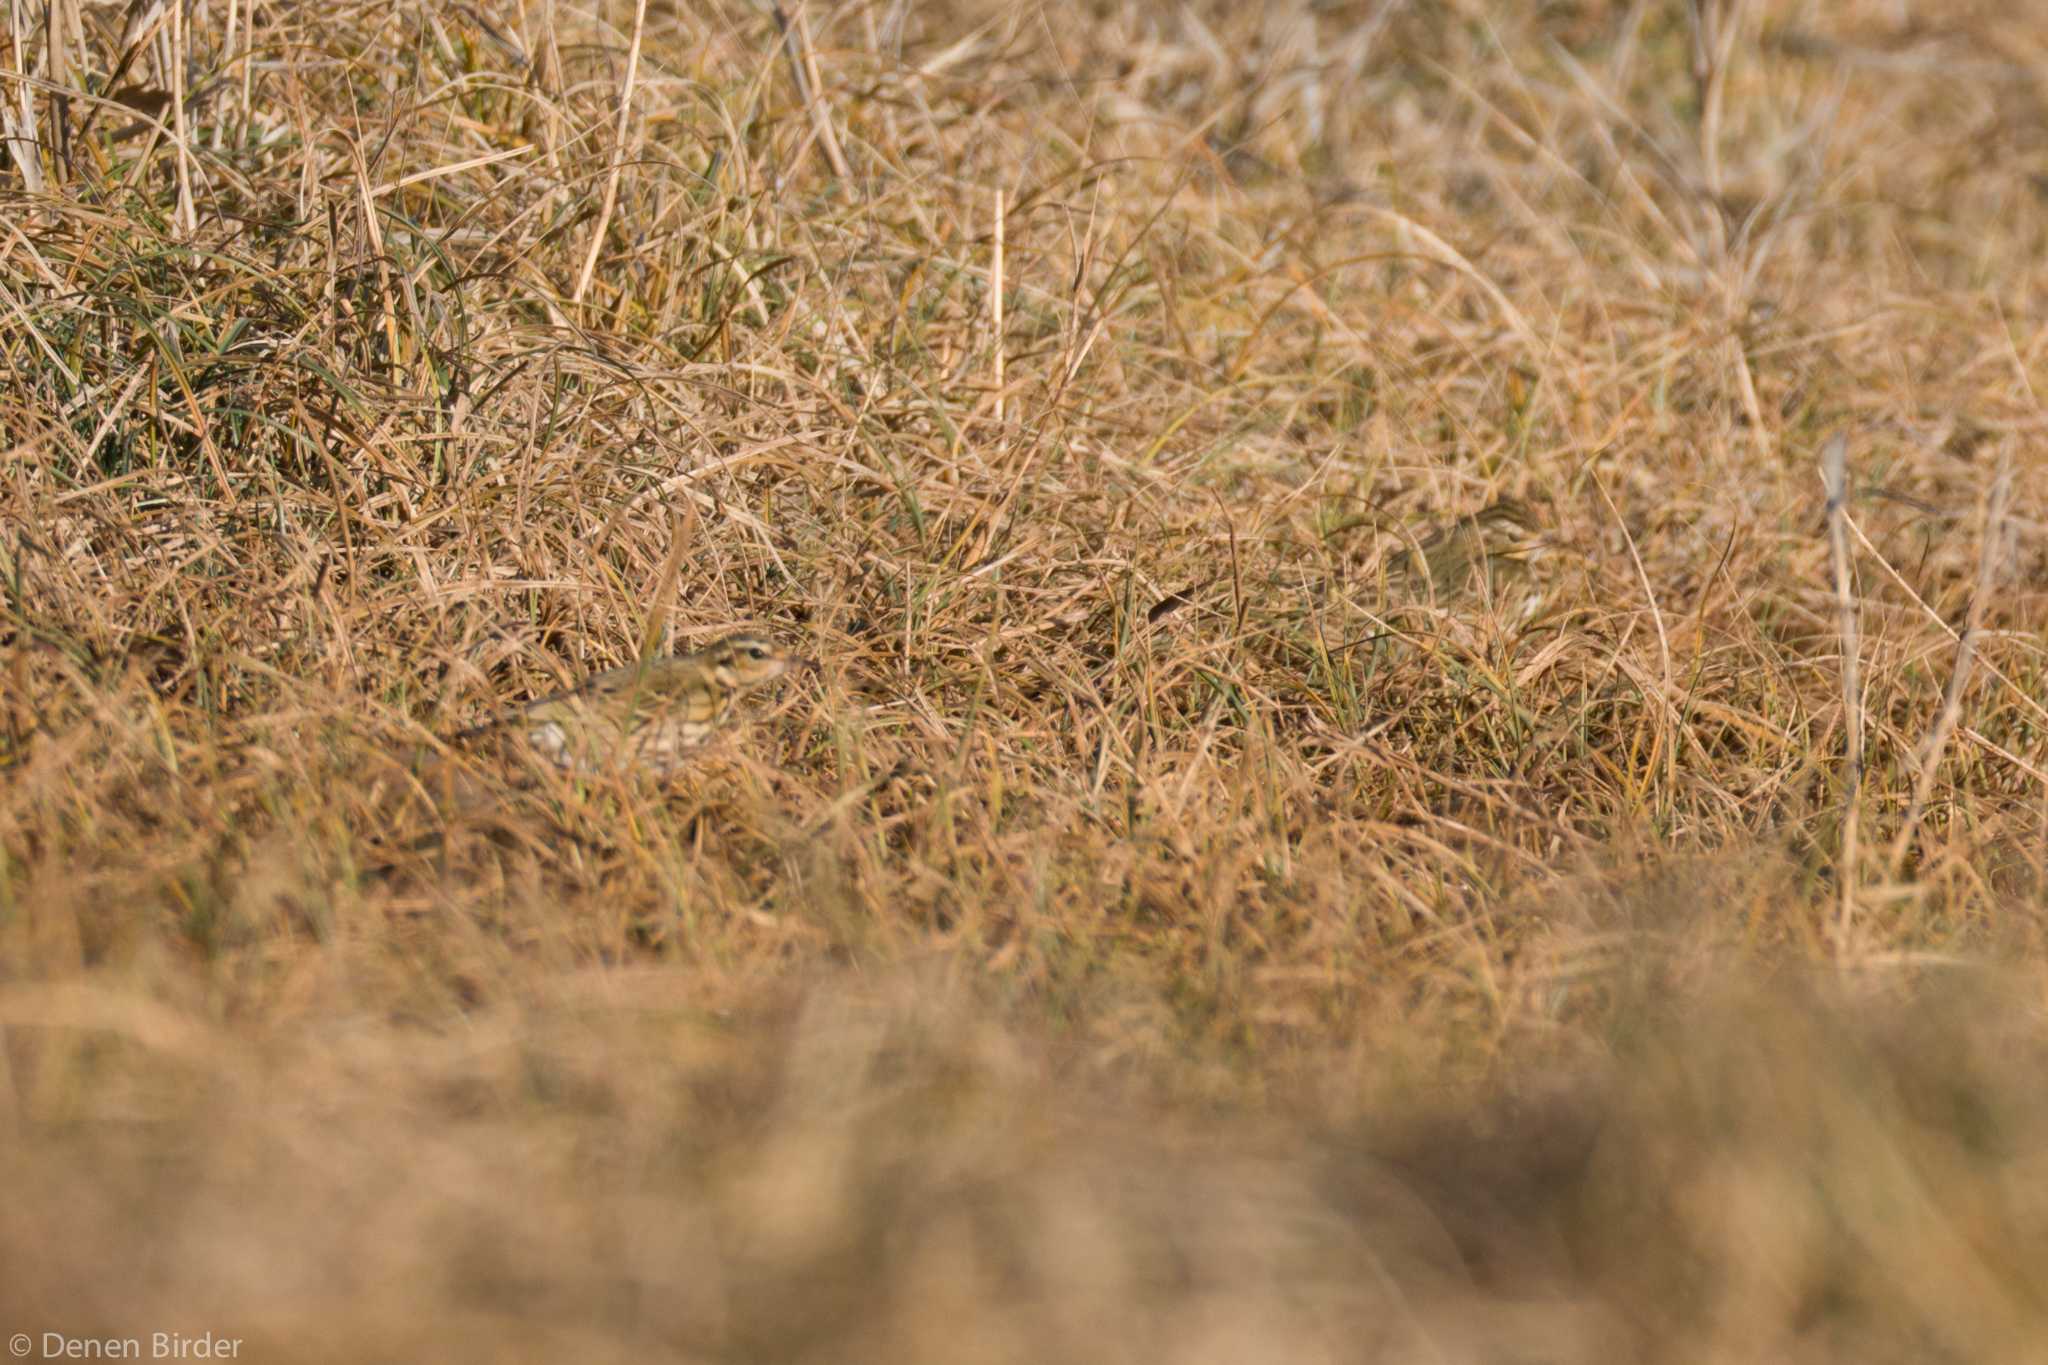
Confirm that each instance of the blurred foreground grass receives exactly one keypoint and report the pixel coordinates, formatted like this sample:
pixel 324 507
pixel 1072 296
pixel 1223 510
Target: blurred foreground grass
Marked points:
pixel 888 1171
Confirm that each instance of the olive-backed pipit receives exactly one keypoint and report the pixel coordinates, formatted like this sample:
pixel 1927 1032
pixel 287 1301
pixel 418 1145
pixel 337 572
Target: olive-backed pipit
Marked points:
pixel 1479 552
pixel 651 715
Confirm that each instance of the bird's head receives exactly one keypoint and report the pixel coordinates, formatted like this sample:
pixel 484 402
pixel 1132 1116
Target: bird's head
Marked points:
pixel 743 661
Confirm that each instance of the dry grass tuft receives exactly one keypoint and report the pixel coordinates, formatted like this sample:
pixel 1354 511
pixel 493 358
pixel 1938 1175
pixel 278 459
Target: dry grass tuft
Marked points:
pixel 373 368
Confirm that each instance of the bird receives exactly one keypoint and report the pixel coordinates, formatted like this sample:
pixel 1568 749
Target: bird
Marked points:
pixel 651 716
pixel 1477 552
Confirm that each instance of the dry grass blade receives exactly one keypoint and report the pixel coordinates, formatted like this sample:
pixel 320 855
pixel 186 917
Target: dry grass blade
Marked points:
pixel 803 71
pixel 995 302
pixel 617 164
pixel 1834 464
pixel 658 624
pixel 1990 561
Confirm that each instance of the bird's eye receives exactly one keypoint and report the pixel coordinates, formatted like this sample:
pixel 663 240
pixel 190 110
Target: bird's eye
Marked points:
pixel 757 651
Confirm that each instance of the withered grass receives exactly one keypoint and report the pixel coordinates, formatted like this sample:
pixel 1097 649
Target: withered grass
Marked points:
pixel 1153 933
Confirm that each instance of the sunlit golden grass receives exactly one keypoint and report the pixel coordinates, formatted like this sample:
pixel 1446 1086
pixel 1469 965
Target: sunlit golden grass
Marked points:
pixel 1163 927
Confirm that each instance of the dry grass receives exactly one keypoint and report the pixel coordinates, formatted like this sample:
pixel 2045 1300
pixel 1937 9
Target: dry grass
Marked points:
pixel 1158 932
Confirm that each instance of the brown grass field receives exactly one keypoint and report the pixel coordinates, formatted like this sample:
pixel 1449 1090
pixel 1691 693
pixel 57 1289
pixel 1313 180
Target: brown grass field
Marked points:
pixel 1162 929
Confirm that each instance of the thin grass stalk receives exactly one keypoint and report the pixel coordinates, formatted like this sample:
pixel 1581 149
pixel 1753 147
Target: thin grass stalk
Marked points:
pixel 1835 473
pixel 58 67
pixel 1990 560
pixel 618 156
pixel 803 69
pixel 187 217
pixel 995 302
pixel 1671 733
pixel 19 127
